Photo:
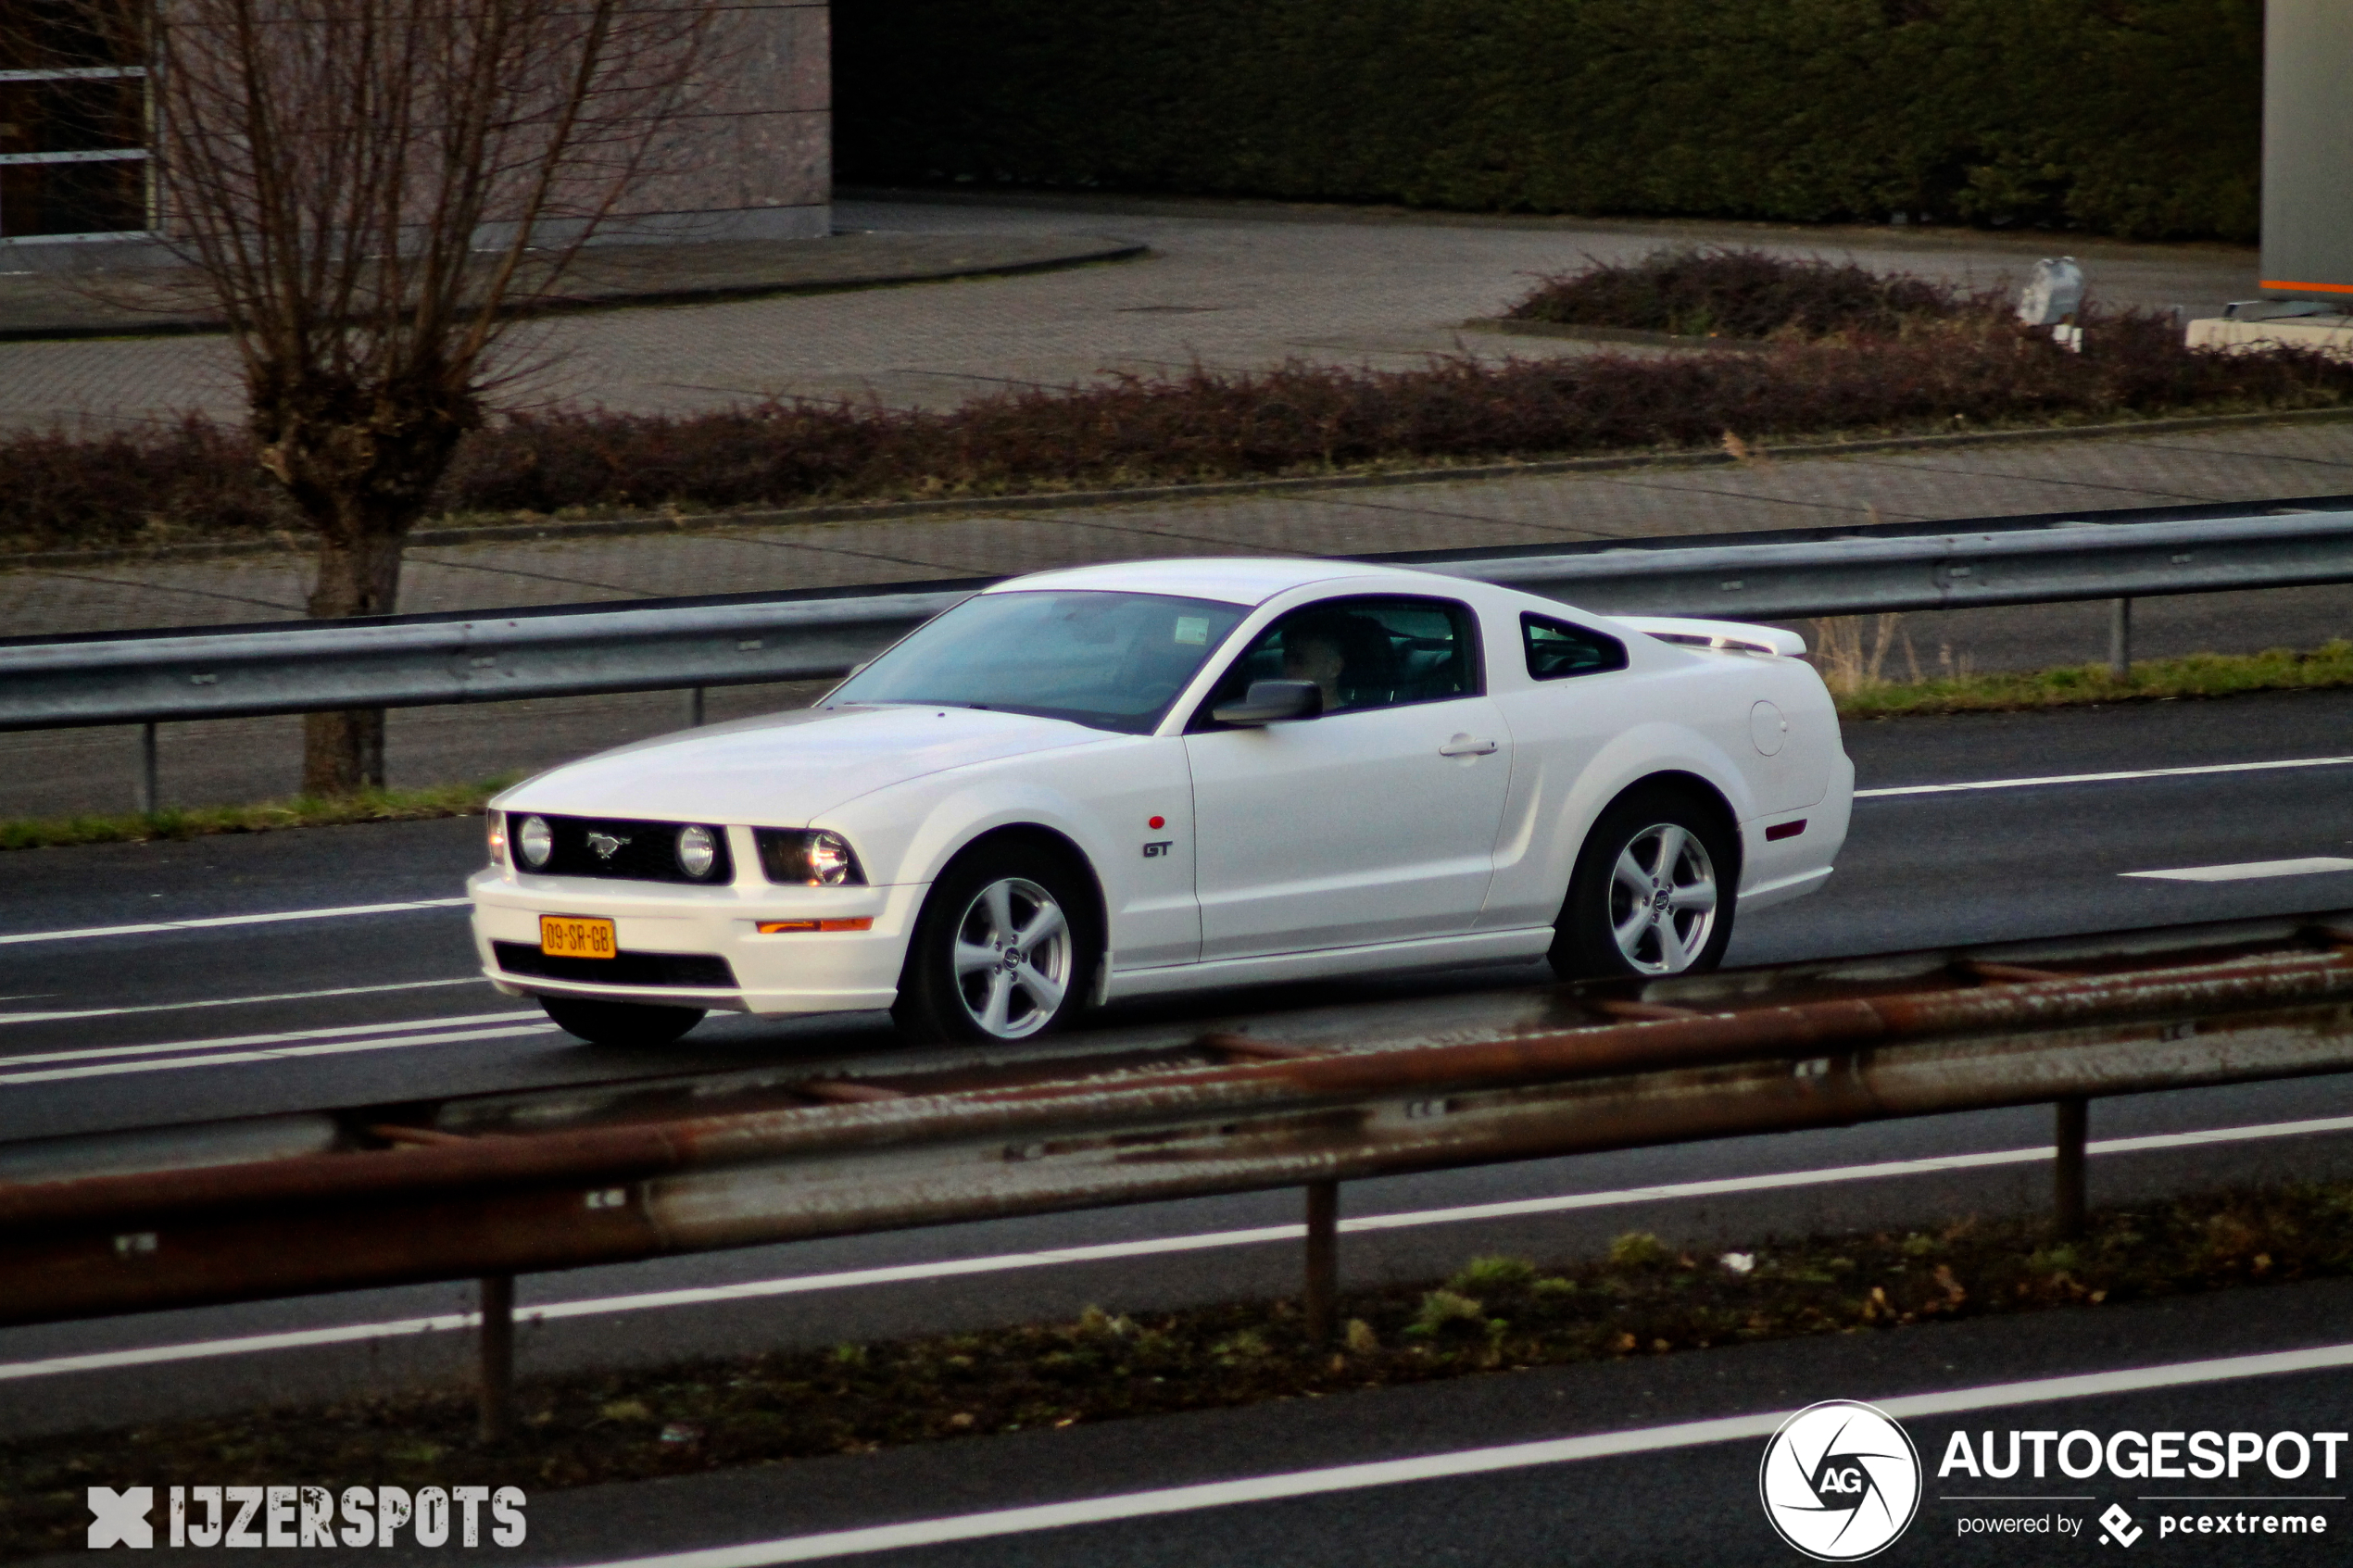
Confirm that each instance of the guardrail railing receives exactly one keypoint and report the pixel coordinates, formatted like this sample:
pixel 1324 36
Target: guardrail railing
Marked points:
pixel 403 661
pixel 491 1190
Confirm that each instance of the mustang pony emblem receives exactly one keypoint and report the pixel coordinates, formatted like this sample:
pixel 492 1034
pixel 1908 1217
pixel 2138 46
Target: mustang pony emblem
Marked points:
pixel 605 844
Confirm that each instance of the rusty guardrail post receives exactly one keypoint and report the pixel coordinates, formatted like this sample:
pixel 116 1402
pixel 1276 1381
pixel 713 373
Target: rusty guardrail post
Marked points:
pixel 150 798
pixel 2071 1120
pixel 2120 638
pixel 498 1356
pixel 1323 1260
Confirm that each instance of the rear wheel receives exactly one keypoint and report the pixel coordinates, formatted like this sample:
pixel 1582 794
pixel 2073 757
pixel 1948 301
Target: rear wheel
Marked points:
pixel 1652 893
pixel 1006 949
pixel 620 1024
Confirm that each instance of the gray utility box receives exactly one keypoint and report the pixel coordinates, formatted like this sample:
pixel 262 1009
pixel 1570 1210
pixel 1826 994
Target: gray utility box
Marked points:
pixel 2308 149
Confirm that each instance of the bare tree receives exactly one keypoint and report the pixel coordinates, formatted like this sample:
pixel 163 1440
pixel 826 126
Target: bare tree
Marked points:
pixel 372 191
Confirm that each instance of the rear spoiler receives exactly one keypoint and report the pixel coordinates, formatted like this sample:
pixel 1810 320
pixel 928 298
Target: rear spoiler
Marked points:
pixel 1728 636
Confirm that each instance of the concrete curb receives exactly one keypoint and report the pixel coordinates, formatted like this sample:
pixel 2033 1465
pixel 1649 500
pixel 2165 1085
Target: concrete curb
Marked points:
pixel 137 325
pixel 865 512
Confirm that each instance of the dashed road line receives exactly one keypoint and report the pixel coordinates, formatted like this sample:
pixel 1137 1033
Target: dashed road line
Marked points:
pixel 214 921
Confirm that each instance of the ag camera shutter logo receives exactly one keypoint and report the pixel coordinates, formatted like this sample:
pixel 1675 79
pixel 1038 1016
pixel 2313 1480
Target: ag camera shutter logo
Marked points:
pixel 1840 1481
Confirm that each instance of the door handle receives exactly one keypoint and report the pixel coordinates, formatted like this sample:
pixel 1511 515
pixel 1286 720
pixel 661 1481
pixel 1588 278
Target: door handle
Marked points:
pixel 1466 746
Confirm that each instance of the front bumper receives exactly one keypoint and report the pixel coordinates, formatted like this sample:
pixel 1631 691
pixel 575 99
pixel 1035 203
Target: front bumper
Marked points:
pixel 801 971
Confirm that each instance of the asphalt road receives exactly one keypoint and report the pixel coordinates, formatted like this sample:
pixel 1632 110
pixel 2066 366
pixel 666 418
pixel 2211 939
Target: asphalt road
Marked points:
pixel 173 1017
pixel 1677 1502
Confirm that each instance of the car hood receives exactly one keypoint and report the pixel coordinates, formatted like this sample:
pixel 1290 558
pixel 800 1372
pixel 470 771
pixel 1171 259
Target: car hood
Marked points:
pixel 786 769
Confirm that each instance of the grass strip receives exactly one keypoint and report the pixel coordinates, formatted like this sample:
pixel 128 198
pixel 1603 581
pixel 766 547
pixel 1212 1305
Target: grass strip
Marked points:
pixel 302 811
pixel 1644 1299
pixel 2155 680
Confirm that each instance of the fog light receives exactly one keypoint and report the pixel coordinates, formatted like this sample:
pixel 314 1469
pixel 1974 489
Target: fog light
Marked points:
pixel 697 851
pixel 537 840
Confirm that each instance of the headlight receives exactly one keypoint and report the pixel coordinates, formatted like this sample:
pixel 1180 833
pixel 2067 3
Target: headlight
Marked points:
pixel 537 840
pixel 495 823
pixel 697 849
pixel 830 860
pixel 808 858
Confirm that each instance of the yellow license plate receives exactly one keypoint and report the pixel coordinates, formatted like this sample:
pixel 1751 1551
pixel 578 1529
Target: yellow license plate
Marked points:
pixel 569 936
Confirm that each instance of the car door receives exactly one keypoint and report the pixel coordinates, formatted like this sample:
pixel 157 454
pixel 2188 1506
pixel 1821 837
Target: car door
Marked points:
pixel 1374 820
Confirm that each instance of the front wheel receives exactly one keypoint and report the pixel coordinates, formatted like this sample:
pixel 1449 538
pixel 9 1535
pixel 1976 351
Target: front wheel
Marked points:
pixel 1005 949
pixel 620 1024
pixel 1652 893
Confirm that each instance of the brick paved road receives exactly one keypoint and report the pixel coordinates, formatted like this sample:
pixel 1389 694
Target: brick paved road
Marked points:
pixel 1228 285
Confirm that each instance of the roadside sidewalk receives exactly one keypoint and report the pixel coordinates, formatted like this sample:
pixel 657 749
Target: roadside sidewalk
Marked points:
pixel 58 772
pixel 2250 462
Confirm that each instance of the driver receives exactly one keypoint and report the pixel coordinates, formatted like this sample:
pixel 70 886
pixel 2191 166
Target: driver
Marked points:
pixel 1340 653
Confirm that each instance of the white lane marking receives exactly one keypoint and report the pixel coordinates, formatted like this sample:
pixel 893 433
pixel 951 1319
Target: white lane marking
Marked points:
pixel 209 922
pixel 273 1053
pixel 2105 778
pixel 1470 1462
pixel 88 1053
pixel 2249 870
pixel 232 1001
pixel 695 1296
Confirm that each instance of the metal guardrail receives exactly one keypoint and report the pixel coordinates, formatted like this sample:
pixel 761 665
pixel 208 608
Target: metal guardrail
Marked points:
pixel 647 645
pixel 588 1177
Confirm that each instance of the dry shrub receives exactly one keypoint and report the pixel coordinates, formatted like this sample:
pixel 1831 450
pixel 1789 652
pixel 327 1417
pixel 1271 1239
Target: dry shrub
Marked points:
pixel 64 490
pixel 1717 290
pixel 1851 658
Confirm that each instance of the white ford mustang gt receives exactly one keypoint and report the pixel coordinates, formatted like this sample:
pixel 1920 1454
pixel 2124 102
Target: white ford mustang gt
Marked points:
pixel 1104 783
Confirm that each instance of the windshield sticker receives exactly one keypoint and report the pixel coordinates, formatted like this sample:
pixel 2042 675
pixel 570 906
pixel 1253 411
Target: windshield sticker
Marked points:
pixel 1193 629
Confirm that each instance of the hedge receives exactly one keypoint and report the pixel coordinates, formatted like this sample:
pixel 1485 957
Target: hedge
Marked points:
pixel 199 480
pixel 2135 118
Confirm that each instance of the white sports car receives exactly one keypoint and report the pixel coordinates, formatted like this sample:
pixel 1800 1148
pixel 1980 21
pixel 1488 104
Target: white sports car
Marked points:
pixel 1115 781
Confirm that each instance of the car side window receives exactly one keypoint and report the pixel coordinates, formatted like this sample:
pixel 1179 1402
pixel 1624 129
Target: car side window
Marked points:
pixel 1368 652
pixel 1558 650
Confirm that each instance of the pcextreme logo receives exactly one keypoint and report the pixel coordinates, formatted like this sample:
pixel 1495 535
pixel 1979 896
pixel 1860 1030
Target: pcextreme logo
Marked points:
pixel 1840 1481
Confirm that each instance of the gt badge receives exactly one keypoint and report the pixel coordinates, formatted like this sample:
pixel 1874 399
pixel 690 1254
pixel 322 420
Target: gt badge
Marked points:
pixel 1154 851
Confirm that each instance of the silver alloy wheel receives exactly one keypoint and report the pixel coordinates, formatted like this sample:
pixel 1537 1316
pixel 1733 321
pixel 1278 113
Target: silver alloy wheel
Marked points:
pixel 1013 958
pixel 1662 899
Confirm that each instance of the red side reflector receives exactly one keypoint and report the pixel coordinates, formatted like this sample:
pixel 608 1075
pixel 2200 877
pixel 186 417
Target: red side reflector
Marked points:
pixel 1779 830
pixel 782 927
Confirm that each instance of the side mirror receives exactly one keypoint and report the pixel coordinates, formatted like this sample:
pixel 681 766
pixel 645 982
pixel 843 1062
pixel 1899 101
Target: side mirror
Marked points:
pixel 1271 702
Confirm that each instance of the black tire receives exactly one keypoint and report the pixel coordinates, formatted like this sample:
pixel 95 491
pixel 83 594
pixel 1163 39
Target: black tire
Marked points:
pixel 1602 930
pixel 1012 996
pixel 620 1024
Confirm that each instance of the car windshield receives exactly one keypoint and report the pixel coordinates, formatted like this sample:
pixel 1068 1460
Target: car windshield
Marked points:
pixel 1114 661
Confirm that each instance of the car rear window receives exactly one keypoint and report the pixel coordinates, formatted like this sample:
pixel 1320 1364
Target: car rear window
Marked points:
pixel 1557 649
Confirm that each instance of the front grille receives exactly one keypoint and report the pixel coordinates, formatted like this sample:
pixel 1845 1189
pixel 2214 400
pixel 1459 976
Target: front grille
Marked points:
pixel 701 972
pixel 650 853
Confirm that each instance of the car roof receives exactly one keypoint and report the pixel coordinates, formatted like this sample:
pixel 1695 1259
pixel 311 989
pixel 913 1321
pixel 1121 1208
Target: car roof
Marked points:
pixel 1242 580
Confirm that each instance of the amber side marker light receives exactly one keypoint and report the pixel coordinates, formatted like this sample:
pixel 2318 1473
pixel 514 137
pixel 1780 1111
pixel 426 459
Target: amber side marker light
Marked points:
pixel 780 927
